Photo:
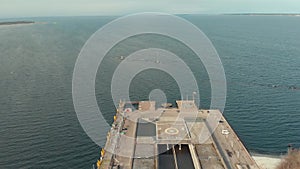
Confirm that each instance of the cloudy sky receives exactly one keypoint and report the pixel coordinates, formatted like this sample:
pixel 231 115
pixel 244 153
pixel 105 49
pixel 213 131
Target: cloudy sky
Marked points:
pixel 26 8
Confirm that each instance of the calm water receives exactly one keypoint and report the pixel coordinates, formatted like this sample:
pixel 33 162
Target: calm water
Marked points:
pixel 38 125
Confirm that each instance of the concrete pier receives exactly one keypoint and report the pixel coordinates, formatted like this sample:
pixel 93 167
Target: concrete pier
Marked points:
pixel 163 138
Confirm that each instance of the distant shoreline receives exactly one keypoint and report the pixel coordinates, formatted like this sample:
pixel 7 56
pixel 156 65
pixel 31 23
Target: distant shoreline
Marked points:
pixel 266 14
pixel 16 23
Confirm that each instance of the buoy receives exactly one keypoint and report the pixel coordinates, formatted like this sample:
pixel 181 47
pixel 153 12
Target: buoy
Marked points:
pixel 115 118
pixel 102 152
pixel 99 162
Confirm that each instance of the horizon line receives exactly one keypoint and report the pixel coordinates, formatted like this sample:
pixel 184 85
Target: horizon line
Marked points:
pixel 118 15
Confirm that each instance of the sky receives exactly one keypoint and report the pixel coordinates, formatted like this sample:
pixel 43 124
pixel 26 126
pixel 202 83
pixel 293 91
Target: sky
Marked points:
pixel 36 8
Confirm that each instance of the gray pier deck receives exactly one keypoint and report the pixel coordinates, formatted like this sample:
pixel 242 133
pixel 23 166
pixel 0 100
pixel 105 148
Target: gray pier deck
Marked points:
pixel 172 138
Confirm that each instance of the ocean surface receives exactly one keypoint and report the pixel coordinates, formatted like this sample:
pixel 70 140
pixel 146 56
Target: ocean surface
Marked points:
pixel 38 124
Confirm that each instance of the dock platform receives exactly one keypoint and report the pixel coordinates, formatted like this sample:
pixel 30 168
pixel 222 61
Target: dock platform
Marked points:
pixel 172 138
